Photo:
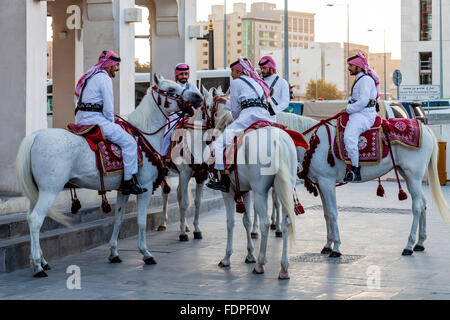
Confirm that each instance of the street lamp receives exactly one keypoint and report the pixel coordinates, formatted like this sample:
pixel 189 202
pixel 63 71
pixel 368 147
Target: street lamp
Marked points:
pixel 348 39
pixel 384 55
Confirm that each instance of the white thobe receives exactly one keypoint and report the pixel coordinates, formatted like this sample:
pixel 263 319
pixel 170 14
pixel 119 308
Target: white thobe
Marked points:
pixel 99 90
pixel 361 118
pixel 280 95
pixel 239 92
pixel 174 119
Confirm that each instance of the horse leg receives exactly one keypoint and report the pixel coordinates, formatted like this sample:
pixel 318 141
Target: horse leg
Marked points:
pixel 246 220
pixel 142 203
pixel 44 263
pixel 35 220
pixel 284 273
pixel 163 225
pixel 198 202
pixel 183 202
pixel 228 199
pixel 276 214
pixel 327 192
pixel 422 228
pixel 261 209
pixel 120 208
pixel 415 190
pixel 254 233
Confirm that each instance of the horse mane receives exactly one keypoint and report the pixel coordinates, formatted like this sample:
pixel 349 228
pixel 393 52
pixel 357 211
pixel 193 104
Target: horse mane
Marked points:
pixel 141 116
pixel 295 122
pixel 224 118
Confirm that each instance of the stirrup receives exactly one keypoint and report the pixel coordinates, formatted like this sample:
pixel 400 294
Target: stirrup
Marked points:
pixel 353 174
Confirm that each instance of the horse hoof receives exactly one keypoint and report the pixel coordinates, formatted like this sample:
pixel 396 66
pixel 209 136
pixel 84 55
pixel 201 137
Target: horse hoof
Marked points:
pixel 283 276
pixel 187 229
pixel 407 252
pixel 335 254
pixel 162 228
pixel 261 271
pixel 223 265
pixel 273 227
pixel 184 237
pixel 40 274
pixel 150 260
pixel 198 235
pixel 254 235
pixel 419 248
pixel 46 267
pixel 116 259
pixel 326 251
pixel 248 261
pixel 278 234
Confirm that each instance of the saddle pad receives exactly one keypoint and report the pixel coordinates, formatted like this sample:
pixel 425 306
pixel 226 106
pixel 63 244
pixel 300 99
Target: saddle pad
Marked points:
pixel 370 145
pixel 407 132
pixel 298 139
pixel 109 159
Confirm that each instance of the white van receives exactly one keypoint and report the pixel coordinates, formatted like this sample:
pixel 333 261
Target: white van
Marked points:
pixel 214 78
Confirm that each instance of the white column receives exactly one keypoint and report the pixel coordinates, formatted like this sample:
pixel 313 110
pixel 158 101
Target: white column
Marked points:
pixel 171 43
pixel 105 28
pixel 23 68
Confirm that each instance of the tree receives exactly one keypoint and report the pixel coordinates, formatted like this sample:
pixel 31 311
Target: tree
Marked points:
pixel 322 90
pixel 141 68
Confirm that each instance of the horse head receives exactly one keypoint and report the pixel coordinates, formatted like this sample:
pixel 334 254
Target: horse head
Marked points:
pixel 176 98
pixel 222 116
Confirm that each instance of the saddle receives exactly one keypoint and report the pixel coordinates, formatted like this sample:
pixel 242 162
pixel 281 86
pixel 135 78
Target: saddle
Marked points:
pixel 109 156
pixel 374 144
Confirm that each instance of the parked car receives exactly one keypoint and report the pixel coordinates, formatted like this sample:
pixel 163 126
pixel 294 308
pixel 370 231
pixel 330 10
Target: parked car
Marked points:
pixel 405 110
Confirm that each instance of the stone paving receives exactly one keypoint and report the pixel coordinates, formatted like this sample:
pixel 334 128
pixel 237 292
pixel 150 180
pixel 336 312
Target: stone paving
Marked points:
pixel 373 230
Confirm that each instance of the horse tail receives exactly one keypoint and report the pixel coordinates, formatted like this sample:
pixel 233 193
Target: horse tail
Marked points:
pixel 435 186
pixel 285 182
pixel 26 180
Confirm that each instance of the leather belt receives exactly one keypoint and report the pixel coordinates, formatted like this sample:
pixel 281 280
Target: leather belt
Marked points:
pixel 250 103
pixel 89 107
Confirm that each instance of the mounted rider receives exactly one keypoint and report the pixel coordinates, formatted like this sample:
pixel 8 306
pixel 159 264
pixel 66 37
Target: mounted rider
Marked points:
pixel 248 103
pixel 279 88
pixel 361 109
pixel 94 93
pixel 182 73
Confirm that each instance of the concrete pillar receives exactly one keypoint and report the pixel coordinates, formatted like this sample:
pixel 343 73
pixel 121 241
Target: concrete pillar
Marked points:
pixel 105 27
pixel 67 62
pixel 171 41
pixel 23 68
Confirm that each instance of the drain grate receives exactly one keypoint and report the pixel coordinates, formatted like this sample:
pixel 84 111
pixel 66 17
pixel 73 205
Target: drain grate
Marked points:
pixel 320 258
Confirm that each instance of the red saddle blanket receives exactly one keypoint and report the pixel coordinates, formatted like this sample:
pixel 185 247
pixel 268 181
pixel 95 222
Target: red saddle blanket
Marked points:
pixel 109 159
pixel 298 139
pixel 373 144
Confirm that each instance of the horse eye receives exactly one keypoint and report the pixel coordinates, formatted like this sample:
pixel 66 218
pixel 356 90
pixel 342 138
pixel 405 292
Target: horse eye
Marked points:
pixel 171 90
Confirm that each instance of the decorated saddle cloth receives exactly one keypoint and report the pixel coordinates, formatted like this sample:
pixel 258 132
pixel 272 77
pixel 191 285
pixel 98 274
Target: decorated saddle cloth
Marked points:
pixel 109 155
pixel 229 154
pixel 373 144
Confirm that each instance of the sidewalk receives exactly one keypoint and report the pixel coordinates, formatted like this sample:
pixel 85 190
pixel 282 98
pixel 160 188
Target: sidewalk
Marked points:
pixel 373 231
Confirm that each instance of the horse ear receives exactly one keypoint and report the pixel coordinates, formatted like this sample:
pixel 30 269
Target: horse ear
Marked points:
pixel 205 92
pixel 228 92
pixel 156 79
pixel 219 89
pixel 214 92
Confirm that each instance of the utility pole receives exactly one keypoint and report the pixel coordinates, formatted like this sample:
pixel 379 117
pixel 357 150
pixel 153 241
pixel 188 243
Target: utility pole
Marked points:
pixel 286 41
pixel 210 38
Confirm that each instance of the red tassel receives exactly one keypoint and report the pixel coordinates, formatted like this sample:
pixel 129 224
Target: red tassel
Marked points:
pixel 331 158
pixel 402 195
pixel 240 206
pixel 105 205
pixel 380 190
pixel 298 208
pixel 166 187
pixel 76 205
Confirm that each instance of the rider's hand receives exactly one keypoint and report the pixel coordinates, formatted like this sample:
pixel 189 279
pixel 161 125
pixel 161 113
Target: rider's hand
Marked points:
pixel 220 99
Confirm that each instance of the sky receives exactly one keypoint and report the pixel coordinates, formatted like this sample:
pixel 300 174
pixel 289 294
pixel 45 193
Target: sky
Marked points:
pixel 331 22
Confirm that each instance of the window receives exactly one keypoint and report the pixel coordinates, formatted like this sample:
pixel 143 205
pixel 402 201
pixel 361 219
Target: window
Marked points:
pixel 425 20
pixel 205 61
pixel 425 68
pixel 205 53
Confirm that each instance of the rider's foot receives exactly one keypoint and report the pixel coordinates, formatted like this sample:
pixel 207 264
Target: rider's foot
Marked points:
pixel 222 185
pixel 353 174
pixel 131 187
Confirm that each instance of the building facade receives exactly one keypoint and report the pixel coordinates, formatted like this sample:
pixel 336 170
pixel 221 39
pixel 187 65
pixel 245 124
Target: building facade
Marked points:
pixel 421 42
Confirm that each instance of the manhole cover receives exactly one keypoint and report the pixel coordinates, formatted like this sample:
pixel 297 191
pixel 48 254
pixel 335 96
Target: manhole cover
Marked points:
pixel 320 258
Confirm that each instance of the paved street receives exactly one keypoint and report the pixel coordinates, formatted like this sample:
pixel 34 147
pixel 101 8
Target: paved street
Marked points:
pixel 373 231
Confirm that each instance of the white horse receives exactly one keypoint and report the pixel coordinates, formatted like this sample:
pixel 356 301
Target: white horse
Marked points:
pixel 191 144
pixel 49 158
pixel 279 172
pixel 411 164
